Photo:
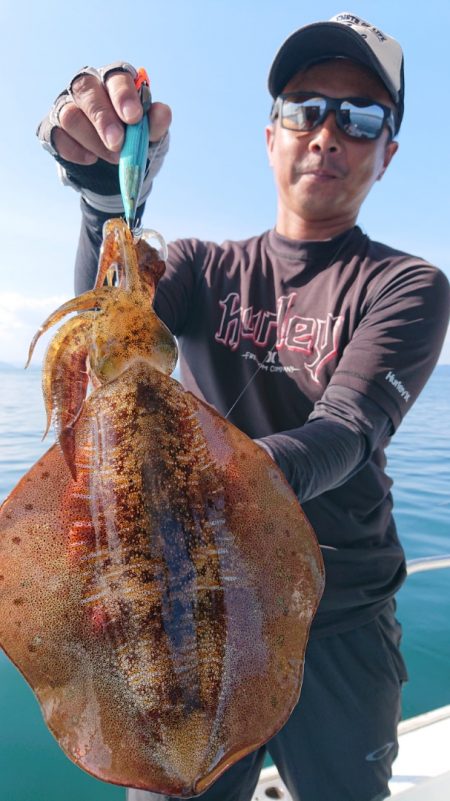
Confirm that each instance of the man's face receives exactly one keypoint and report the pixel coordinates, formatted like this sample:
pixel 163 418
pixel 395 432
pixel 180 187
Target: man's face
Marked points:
pixel 323 176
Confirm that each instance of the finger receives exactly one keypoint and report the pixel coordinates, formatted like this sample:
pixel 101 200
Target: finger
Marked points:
pixel 160 117
pixel 74 122
pixel 126 102
pixel 92 98
pixel 124 97
pixel 70 150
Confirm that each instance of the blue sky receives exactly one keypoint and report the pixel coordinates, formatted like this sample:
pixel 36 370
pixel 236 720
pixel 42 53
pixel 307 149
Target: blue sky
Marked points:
pixel 209 61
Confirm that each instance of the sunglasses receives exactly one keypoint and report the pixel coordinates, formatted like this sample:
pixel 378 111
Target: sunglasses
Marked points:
pixel 358 117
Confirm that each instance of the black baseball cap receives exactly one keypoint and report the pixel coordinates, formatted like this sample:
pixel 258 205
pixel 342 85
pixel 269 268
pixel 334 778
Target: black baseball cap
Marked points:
pixel 343 36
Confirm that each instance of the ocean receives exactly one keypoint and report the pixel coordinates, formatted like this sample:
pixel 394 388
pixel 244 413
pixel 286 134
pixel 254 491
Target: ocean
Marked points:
pixel 32 766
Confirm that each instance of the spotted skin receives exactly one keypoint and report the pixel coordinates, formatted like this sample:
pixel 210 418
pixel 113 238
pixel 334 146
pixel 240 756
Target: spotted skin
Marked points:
pixel 158 578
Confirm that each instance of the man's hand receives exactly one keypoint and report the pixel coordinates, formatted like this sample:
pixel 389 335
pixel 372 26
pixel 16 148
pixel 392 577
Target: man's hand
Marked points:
pixel 87 121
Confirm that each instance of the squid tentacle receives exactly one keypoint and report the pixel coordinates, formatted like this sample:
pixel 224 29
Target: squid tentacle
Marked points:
pixel 118 252
pixel 65 378
pixel 89 300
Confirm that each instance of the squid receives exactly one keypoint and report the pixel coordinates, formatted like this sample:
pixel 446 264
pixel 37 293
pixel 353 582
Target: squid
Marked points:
pixel 158 577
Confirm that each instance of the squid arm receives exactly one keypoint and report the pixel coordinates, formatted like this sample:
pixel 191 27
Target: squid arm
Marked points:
pixel 89 300
pixel 65 381
pixel 65 377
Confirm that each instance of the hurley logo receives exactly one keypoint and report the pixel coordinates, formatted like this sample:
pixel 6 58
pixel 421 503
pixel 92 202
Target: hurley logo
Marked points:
pixel 391 377
pixel 314 340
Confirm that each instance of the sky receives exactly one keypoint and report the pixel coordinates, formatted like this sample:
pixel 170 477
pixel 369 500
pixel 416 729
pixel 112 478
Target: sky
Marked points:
pixel 209 60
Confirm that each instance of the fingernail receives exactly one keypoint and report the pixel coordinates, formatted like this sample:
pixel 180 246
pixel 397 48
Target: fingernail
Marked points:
pixel 131 110
pixel 113 135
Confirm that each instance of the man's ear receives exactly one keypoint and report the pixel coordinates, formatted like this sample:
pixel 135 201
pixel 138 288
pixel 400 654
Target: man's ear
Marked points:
pixel 270 134
pixel 389 152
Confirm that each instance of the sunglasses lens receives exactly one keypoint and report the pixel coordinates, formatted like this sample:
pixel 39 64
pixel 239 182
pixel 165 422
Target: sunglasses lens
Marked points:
pixel 362 122
pixel 358 121
pixel 303 115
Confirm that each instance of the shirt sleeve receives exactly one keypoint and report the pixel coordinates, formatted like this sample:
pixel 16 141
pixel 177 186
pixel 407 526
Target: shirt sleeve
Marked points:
pixel 177 287
pixel 399 337
pixel 341 433
pixel 99 183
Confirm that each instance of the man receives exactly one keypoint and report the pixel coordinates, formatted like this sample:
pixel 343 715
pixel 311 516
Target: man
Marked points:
pixel 318 340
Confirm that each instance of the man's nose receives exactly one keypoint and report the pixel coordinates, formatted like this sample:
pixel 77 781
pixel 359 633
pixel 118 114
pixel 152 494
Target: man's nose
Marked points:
pixel 326 137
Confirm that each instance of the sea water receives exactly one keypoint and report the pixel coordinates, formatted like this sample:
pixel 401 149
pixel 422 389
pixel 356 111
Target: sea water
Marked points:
pixel 32 766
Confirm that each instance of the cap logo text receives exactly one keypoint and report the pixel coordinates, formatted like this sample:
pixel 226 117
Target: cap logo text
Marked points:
pixel 349 19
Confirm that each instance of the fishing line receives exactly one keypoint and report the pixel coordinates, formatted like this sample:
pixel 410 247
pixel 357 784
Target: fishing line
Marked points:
pixel 252 377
